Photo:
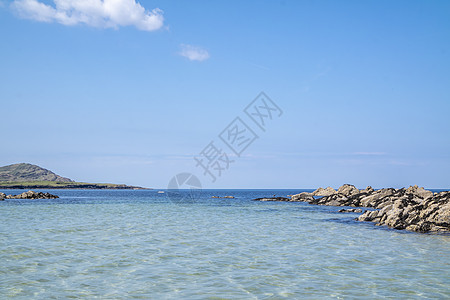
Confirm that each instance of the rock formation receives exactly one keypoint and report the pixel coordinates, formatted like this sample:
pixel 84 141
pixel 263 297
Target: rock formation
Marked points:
pixel 32 195
pixel 351 210
pixel 303 197
pixel 414 208
pixel 431 214
pixel 324 192
pixel 348 190
pixel 273 199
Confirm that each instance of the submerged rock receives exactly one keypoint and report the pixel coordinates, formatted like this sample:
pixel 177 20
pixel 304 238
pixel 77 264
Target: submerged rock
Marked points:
pixel 351 210
pixel 272 199
pixel 32 195
pixel 225 197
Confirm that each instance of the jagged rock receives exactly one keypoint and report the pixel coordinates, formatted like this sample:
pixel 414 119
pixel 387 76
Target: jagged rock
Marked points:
pixel 272 199
pixel 32 195
pixel 419 191
pixel 351 210
pixel 408 212
pixel 374 199
pixel 348 190
pixel 324 192
pixel 367 190
pixel 303 197
pixel 333 200
pixel 413 208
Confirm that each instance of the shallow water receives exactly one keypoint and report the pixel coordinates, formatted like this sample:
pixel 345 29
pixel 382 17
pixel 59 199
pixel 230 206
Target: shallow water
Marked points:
pixel 140 244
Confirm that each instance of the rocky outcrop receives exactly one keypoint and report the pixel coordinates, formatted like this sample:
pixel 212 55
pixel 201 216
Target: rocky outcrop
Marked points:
pixel 414 208
pixel 351 210
pixel 32 195
pixel 324 192
pixel 2 196
pixel 302 197
pixel 273 199
pixel 420 192
pixel 367 197
pixel 348 190
pixel 368 189
pixel 431 214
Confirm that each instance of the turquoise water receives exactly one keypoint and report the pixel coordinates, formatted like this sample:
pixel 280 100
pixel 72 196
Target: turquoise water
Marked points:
pixel 140 244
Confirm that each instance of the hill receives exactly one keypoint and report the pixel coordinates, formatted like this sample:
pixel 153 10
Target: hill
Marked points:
pixel 28 172
pixel 28 176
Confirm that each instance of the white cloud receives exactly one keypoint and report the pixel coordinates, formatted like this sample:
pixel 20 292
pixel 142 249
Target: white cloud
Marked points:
pixel 193 52
pixel 96 13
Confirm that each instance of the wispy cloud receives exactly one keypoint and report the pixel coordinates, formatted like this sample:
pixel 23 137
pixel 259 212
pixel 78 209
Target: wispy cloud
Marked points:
pixel 260 67
pixel 96 13
pixel 193 52
pixel 370 153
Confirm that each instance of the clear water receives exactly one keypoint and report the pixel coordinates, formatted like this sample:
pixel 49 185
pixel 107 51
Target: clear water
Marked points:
pixel 138 244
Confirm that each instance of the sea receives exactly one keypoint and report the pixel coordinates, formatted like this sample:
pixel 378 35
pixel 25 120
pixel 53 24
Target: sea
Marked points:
pixel 150 244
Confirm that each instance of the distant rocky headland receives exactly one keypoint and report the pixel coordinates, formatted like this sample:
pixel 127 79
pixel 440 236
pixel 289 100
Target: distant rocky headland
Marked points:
pixel 28 176
pixel 413 208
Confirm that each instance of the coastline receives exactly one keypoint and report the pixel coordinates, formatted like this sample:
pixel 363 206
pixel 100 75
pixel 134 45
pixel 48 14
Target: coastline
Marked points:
pixel 67 186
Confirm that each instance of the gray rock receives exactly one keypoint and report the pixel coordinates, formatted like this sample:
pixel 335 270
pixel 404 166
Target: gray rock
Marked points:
pixel 376 197
pixel 335 202
pixel 351 210
pixel 272 199
pixel 413 209
pixel 419 192
pixel 32 195
pixel 348 190
pixel 302 197
pixel 430 215
pixel 367 190
pixel 324 192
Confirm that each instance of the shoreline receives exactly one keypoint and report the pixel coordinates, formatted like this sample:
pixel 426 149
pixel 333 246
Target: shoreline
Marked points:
pixel 69 186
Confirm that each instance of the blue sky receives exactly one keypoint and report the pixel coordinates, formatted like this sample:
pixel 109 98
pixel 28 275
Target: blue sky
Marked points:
pixel 120 92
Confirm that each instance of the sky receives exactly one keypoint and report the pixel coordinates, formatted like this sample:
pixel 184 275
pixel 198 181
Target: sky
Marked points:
pixel 133 92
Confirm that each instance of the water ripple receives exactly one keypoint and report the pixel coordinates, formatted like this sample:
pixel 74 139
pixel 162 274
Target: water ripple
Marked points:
pixel 134 245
